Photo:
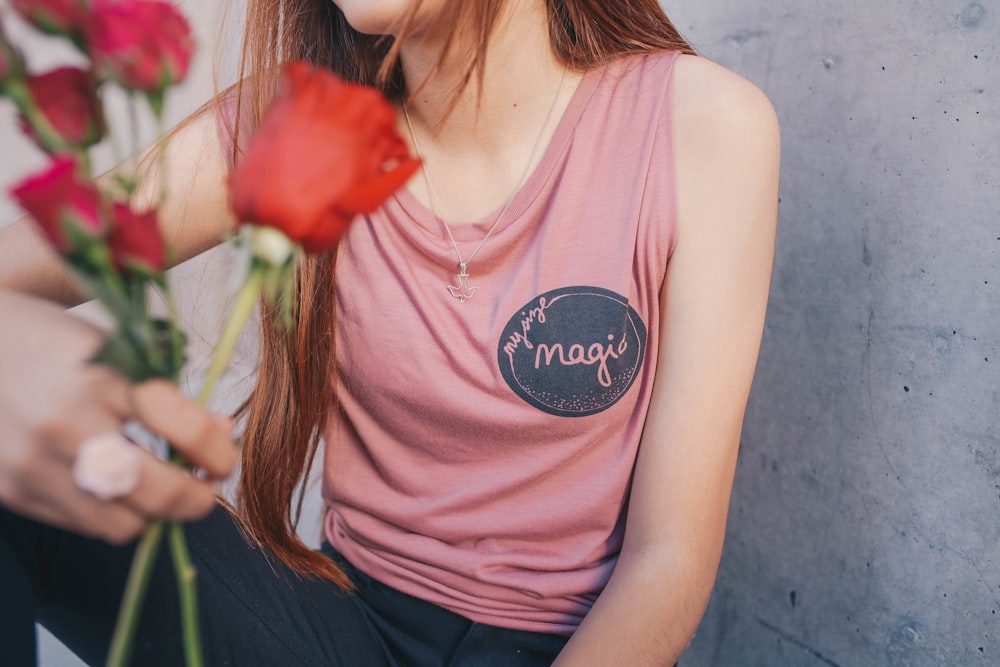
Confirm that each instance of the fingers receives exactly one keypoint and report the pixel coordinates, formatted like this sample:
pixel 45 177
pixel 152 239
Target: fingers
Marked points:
pixel 42 486
pixel 48 493
pixel 202 438
pixel 122 520
pixel 114 522
pixel 166 491
pixel 52 399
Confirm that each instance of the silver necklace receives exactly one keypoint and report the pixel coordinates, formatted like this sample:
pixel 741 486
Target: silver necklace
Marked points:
pixel 463 291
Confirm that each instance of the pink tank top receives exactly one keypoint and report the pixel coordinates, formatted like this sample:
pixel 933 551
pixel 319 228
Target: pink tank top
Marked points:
pixel 482 452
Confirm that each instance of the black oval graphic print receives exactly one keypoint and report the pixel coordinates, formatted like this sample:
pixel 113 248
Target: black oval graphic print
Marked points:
pixel 573 351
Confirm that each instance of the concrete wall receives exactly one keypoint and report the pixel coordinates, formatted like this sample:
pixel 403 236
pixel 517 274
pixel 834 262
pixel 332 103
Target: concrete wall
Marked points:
pixel 865 522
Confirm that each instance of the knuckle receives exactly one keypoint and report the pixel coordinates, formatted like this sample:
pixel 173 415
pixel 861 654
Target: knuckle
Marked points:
pixel 198 429
pixel 203 426
pixel 19 462
pixel 168 500
pixel 105 383
pixel 100 377
pixel 48 420
pixel 13 496
pixel 220 462
pixel 25 464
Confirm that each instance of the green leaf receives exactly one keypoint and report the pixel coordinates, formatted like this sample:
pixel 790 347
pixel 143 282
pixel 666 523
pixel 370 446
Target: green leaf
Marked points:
pixel 172 342
pixel 128 183
pixel 119 352
pixel 144 349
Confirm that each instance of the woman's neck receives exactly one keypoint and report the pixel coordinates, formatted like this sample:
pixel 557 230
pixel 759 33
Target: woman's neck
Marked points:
pixel 520 77
pixel 478 145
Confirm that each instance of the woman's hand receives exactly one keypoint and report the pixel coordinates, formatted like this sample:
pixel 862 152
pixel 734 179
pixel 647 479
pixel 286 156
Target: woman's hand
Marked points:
pixel 51 399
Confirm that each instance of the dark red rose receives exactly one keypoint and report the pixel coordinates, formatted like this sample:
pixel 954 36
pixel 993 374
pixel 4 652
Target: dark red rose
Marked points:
pixel 56 17
pixel 67 99
pixel 144 45
pixel 67 210
pixel 327 150
pixel 135 241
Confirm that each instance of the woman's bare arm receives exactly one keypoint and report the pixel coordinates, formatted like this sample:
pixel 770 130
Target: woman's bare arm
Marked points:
pixel 713 304
pixel 193 216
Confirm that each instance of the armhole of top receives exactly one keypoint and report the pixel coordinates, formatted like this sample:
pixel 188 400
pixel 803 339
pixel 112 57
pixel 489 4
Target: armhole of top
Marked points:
pixel 671 157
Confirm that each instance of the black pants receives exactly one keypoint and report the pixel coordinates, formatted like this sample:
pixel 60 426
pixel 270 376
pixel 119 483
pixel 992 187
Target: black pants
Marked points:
pixel 253 610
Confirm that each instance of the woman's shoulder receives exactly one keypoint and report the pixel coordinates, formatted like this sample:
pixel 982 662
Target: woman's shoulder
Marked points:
pixel 713 102
pixel 726 140
pixel 705 95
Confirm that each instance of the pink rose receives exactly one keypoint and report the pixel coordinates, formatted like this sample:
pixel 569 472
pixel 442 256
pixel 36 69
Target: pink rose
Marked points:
pixel 67 99
pixel 135 241
pixel 56 17
pixel 144 45
pixel 67 211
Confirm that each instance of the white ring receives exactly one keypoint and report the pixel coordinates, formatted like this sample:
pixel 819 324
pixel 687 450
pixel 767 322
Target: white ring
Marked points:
pixel 107 466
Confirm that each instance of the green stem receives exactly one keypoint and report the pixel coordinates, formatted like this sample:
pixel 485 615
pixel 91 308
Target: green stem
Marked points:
pixel 161 155
pixel 93 266
pixel 135 591
pixel 176 339
pixel 133 117
pixel 187 576
pixel 246 301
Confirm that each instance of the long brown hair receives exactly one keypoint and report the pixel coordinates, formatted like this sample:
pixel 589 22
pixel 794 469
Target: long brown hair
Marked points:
pixel 288 409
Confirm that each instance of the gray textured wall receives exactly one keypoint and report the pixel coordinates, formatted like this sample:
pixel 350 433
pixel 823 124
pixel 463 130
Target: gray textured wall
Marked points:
pixel 865 522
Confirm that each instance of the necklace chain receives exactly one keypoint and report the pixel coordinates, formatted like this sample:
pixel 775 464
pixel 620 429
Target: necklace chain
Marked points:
pixel 463 291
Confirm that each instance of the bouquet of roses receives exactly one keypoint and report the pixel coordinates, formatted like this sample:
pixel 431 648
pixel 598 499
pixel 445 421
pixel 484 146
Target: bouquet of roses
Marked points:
pixel 285 205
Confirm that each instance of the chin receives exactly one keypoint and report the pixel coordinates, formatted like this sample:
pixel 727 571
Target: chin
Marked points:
pixel 380 17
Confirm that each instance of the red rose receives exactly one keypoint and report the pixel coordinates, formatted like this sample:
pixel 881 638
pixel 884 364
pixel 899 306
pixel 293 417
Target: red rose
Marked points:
pixel 327 150
pixel 66 210
pixel 143 45
pixel 67 99
pixel 56 17
pixel 135 241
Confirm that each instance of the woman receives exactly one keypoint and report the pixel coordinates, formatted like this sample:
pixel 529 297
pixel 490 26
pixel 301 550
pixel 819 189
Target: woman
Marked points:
pixel 545 345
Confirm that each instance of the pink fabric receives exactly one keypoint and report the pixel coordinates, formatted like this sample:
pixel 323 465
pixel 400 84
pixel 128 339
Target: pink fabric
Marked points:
pixel 482 452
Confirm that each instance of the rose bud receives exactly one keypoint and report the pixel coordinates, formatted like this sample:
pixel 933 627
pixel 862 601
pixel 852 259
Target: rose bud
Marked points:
pixel 144 45
pixel 67 99
pixel 66 210
pixel 55 17
pixel 135 241
pixel 326 151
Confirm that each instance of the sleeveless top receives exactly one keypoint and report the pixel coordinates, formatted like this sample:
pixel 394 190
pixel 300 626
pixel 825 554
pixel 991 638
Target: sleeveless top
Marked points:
pixel 480 454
